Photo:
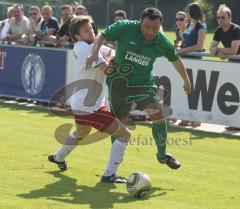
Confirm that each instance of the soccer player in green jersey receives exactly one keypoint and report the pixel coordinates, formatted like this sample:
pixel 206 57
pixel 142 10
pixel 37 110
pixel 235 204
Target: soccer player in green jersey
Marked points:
pixel 139 43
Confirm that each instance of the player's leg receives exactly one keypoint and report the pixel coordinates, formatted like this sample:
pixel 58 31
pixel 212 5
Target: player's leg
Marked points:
pixel 157 113
pixel 69 144
pixel 121 135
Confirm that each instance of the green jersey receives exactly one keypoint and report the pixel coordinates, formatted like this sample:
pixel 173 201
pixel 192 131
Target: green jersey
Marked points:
pixel 132 51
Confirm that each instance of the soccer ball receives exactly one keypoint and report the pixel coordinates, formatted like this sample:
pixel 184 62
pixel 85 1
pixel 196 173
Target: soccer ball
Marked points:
pixel 139 184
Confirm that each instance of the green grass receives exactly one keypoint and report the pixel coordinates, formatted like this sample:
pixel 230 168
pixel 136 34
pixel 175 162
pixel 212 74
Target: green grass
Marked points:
pixel 208 179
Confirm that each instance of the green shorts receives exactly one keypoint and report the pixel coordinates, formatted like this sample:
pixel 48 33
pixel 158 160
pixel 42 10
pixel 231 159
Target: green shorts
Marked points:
pixel 122 100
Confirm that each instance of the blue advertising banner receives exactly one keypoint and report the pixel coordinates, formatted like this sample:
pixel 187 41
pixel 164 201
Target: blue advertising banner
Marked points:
pixel 31 72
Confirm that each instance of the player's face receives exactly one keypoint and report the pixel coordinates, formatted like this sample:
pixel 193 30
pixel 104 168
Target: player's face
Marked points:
pixel 223 19
pixel 86 33
pixel 150 28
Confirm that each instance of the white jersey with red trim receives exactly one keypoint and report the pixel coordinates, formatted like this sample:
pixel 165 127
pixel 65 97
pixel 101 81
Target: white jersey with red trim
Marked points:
pixel 91 91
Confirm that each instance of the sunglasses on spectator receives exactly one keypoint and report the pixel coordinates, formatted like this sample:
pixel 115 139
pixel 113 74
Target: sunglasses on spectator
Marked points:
pixel 180 19
pixel 31 14
pixel 221 17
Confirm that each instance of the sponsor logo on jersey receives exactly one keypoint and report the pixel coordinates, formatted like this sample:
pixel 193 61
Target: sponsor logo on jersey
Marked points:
pixel 137 58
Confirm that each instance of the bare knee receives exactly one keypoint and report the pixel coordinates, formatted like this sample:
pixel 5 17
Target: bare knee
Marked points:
pixel 81 131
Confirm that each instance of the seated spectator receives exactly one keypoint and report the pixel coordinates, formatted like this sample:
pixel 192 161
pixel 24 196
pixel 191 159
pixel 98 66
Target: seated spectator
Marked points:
pixel 181 23
pixel 35 19
pixel 63 34
pixel 120 15
pixel 228 34
pixel 19 25
pixel 193 40
pixel 195 32
pixel 49 24
pixel 5 24
pixel 82 10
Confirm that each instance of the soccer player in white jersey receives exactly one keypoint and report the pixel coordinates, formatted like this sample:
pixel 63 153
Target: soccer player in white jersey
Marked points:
pixel 90 105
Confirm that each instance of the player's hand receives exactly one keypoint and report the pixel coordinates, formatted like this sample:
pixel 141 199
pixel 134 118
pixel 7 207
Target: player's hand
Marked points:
pixel 187 87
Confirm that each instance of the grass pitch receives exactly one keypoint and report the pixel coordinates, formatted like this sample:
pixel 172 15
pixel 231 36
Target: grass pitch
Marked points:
pixel 208 179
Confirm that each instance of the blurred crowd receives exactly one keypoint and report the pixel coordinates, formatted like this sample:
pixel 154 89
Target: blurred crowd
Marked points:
pixel 40 27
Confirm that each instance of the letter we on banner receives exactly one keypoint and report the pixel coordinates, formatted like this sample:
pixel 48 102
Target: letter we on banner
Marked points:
pixel 216 89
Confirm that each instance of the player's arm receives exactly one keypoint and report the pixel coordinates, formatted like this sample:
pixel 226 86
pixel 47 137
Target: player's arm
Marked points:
pixel 113 32
pixel 103 67
pixel 179 66
pixel 95 50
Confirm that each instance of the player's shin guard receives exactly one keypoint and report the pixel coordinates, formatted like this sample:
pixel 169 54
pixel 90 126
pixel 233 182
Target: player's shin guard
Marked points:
pixel 159 132
pixel 116 156
pixel 68 145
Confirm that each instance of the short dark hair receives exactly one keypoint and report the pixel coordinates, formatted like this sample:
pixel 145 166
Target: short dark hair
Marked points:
pixel 76 24
pixel 152 13
pixel 66 6
pixel 195 12
pixel 120 13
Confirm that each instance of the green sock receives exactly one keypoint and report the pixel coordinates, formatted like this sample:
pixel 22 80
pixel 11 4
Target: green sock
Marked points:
pixel 159 132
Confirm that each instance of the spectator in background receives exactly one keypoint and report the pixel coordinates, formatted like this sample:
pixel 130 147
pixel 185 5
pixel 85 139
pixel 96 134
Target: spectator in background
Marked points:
pixel 193 40
pixel 49 25
pixel 63 34
pixel 82 10
pixel 19 25
pixel 228 34
pixel 120 15
pixel 5 24
pixel 181 23
pixel 35 19
pixel 195 32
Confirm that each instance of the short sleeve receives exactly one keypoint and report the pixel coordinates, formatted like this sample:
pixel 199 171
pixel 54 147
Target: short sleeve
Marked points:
pixel 105 51
pixel 82 50
pixel 116 30
pixel 169 51
pixel 236 34
pixel 217 35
